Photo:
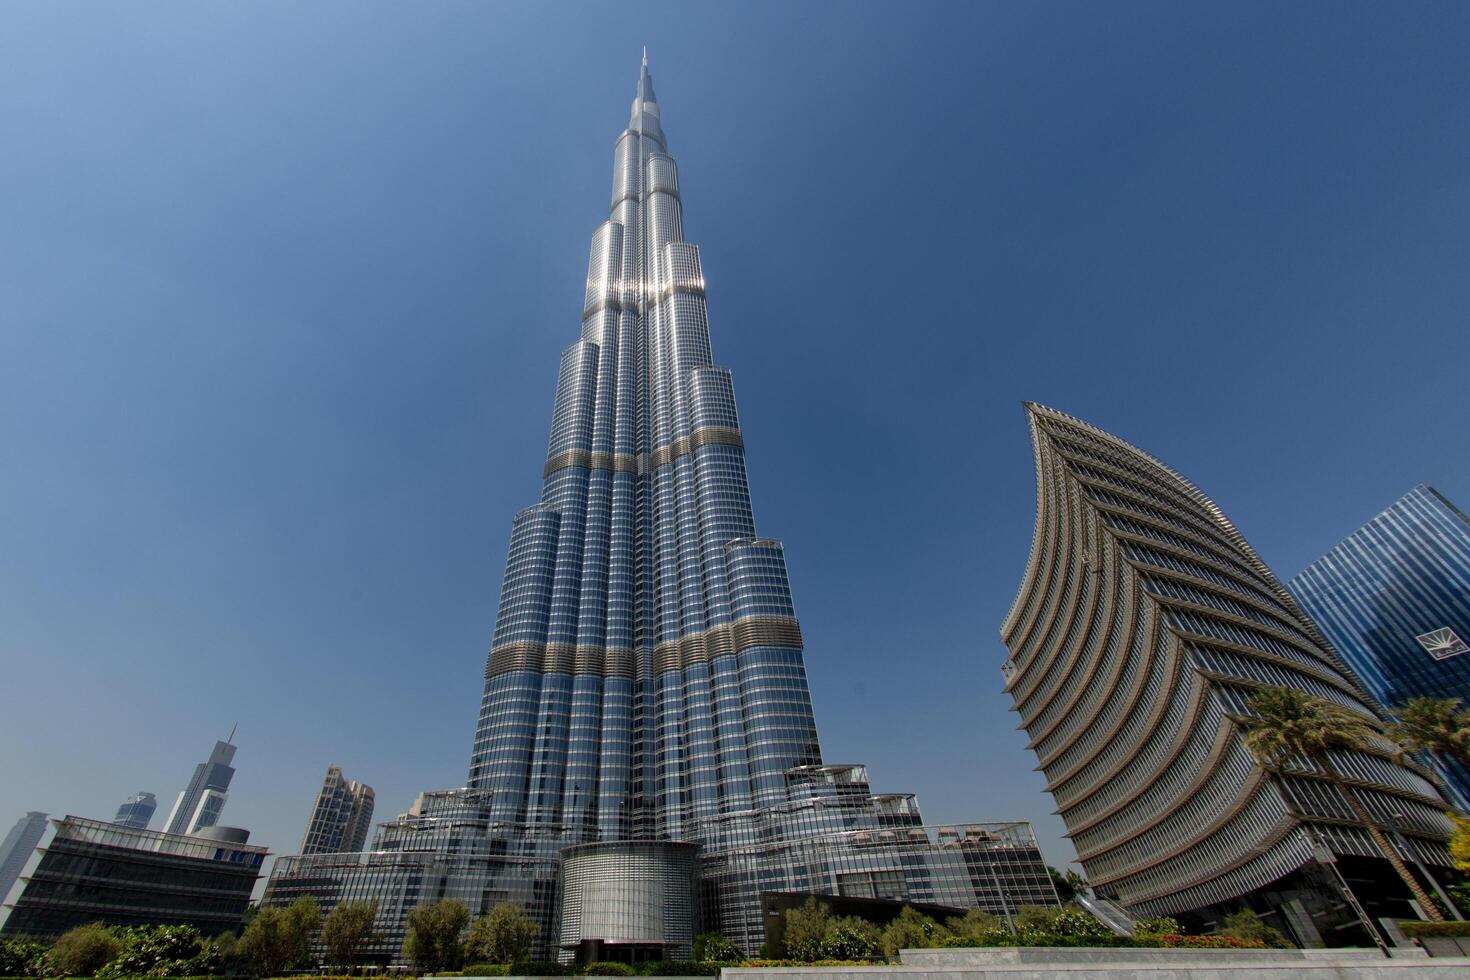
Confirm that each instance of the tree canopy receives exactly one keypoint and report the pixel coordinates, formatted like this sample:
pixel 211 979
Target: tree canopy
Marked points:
pixel 276 940
pixel 503 936
pixel 347 932
pixel 435 938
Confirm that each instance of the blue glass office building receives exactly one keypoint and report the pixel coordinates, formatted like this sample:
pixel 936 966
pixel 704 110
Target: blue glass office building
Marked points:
pixel 1394 599
pixel 645 682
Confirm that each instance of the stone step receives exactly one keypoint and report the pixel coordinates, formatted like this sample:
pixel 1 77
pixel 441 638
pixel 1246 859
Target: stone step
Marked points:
pixel 1353 968
pixel 964 958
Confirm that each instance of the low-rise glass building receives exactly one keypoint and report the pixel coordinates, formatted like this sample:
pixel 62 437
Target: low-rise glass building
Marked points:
pixel 93 871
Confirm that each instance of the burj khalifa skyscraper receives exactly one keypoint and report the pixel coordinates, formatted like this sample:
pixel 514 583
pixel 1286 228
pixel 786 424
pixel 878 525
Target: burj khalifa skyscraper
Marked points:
pixel 646 761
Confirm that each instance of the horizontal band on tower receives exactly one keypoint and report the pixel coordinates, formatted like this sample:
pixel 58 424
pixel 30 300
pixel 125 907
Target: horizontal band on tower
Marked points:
pixel 707 435
pixel 635 195
pixel 607 302
pixel 618 462
pixel 701 647
pixel 691 287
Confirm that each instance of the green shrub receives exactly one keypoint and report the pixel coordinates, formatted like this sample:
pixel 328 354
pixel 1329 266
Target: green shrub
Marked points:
pixel 975 928
pixel 82 951
pixel 1202 942
pixel 160 951
pixel 912 930
pixel 21 957
pixel 607 970
pixel 713 947
pixel 1423 930
pixel 485 970
pixel 767 964
pixel 804 930
pixel 851 938
pixel 1243 924
pixel 683 968
pixel 1002 938
pixel 545 968
pixel 1162 926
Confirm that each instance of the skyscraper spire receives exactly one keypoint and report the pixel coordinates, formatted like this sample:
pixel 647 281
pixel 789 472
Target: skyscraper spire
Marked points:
pixel 645 116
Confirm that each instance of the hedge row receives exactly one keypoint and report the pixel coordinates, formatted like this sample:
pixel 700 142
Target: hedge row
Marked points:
pixel 657 968
pixel 1094 942
pixel 1421 930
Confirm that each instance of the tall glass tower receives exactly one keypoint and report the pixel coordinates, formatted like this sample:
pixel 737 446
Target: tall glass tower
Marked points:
pixel 646 742
pixel 645 676
pixel 1394 599
pixel 200 803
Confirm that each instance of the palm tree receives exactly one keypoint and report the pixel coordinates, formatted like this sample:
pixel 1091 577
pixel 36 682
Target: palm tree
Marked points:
pixel 1439 725
pixel 1286 723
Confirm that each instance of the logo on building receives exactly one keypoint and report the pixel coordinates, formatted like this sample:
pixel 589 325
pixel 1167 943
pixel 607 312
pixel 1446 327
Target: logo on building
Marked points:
pixel 1442 644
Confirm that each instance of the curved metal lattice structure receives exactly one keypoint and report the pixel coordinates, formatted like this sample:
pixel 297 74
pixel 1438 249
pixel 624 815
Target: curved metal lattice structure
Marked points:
pixel 1143 625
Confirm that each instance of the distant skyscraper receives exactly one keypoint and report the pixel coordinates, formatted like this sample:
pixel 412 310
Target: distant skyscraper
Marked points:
pixel 18 847
pixel 202 801
pixel 340 818
pixel 1394 599
pixel 136 811
pixel 645 694
pixel 1143 626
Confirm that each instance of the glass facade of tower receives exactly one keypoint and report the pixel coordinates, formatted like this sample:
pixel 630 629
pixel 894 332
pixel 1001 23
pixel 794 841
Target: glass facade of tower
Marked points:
pixel 1394 599
pixel 645 680
pixel 1143 626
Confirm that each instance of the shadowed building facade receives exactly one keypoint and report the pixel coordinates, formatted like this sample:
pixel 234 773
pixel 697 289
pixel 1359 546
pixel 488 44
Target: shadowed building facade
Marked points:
pixel 645 690
pixel 1394 599
pixel 124 876
pixel 1142 627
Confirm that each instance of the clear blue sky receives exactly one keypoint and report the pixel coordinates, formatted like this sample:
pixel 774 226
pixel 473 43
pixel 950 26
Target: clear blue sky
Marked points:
pixel 282 289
